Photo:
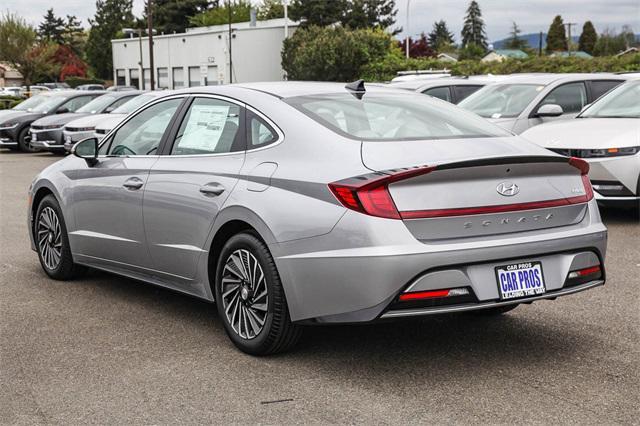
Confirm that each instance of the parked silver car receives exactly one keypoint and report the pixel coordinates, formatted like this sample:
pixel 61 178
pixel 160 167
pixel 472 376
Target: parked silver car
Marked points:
pixel 520 102
pixel 453 89
pixel 313 203
pixel 607 135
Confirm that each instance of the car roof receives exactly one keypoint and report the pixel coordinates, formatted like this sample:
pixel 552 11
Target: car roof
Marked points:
pixel 70 93
pixel 123 93
pixel 424 84
pixel 546 79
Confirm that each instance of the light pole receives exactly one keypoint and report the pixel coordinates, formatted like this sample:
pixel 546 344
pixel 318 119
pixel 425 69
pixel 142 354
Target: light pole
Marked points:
pixel 569 25
pixel 406 42
pixel 152 80
pixel 230 55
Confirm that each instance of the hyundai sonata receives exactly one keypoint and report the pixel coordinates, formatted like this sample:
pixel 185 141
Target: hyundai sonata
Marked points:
pixel 314 203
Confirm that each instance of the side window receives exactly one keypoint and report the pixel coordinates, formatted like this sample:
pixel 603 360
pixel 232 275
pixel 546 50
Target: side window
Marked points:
pixel 259 133
pixel 439 92
pixel 141 135
pixel 571 97
pixel 600 87
pixel 211 126
pixel 123 100
pixel 77 102
pixel 464 91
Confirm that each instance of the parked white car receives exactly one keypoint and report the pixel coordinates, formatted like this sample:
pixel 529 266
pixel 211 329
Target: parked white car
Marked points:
pixel 520 102
pixel 607 135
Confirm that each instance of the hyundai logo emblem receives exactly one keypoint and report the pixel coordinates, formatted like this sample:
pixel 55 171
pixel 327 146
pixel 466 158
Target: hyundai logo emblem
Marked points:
pixel 507 189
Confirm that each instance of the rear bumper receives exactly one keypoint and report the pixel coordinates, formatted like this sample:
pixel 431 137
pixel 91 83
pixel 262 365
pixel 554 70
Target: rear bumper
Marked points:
pixel 355 272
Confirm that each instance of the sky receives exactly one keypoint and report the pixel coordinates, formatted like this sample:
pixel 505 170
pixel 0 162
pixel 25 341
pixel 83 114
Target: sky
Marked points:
pixel 530 15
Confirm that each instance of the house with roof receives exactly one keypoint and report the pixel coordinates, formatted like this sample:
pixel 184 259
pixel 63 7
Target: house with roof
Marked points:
pixel 9 76
pixel 500 55
pixel 577 54
pixel 447 57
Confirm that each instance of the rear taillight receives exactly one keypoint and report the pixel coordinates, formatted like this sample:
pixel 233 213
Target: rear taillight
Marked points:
pixel 370 194
pixel 583 166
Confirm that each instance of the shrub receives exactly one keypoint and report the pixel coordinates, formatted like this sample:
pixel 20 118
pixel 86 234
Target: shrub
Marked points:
pixel 333 53
pixel 387 68
pixel 7 101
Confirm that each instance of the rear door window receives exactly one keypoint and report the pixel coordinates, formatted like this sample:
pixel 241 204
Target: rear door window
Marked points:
pixel 439 92
pixel 571 97
pixel 600 87
pixel 463 91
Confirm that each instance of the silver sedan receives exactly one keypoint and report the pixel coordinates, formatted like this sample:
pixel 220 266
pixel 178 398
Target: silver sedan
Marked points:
pixel 314 203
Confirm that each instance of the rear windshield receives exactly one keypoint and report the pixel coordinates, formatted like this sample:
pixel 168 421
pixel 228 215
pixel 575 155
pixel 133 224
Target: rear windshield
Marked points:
pixel 501 100
pixel 393 116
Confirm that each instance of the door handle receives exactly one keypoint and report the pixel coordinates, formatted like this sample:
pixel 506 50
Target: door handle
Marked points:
pixel 133 183
pixel 212 189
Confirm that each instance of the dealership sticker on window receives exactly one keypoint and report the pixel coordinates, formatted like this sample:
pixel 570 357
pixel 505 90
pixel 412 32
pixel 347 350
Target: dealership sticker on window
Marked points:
pixel 204 127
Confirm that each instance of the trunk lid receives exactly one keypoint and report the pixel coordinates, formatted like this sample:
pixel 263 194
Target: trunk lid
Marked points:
pixel 479 186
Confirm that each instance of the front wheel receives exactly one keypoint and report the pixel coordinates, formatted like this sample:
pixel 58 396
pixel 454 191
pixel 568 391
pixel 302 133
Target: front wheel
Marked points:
pixel 24 141
pixel 250 298
pixel 52 242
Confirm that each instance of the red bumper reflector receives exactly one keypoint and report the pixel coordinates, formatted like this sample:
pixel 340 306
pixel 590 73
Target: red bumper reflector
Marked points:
pixel 588 271
pixel 418 295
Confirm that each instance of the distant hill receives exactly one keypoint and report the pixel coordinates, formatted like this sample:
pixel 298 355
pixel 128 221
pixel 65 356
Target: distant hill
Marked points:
pixel 532 40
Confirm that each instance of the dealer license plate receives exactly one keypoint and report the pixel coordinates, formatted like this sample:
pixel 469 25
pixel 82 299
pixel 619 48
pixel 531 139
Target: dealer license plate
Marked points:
pixel 520 280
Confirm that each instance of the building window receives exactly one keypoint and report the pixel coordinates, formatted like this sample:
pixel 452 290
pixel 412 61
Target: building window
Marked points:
pixel 178 77
pixel 147 78
pixel 121 78
pixel 163 78
pixel 134 77
pixel 194 76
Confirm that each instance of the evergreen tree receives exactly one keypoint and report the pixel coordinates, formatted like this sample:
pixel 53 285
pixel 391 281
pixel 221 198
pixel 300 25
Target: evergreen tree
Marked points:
pixel 271 9
pixel 556 36
pixel 110 18
pixel 173 15
pixel 514 41
pixel 370 14
pixel 51 29
pixel 240 12
pixel 440 37
pixel 74 35
pixel 588 38
pixel 473 30
pixel 317 12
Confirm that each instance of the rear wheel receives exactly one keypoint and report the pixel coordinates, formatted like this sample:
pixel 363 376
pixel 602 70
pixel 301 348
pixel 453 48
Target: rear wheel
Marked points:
pixel 24 140
pixel 52 242
pixel 250 298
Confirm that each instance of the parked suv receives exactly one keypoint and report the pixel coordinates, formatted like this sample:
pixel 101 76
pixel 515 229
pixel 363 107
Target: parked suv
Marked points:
pixel 520 102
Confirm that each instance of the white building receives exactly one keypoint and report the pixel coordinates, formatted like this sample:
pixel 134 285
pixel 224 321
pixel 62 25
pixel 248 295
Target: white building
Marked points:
pixel 200 56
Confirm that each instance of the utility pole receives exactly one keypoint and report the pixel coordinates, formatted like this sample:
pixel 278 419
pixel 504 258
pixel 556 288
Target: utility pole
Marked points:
pixel 406 42
pixel 230 55
pixel 569 25
pixel 540 45
pixel 152 80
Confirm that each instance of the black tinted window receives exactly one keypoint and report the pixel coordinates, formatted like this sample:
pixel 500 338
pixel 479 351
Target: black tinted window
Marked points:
pixel 439 92
pixel 600 87
pixel 464 91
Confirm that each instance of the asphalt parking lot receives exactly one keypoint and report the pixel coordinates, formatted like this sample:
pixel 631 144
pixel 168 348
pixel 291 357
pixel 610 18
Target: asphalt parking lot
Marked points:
pixel 108 350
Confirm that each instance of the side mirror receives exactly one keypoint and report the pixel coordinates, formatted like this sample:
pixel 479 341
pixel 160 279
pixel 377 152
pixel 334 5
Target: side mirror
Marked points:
pixel 87 149
pixel 550 110
pixel 62 110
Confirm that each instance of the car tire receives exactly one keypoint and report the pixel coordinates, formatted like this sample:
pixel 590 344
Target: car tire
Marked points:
pixel 23 141
pixel 250 298
pixel 52 241
pixel 498 310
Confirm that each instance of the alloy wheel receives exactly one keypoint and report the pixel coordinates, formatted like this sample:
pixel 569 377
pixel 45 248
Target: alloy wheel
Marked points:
pixel 245 295
pixel 49 238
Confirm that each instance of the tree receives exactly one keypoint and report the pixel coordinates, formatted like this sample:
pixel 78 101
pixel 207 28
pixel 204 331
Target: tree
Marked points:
pixel 370 14
pixel 440 38
pixel 271 9
pixel 418 48
pixel 473 30
pixel 18 47
pixel 240 12
pixel 514 41
pixel 333 53
pixel 471 51
pixel 174 15
pixel 588 38
pixel 609 43
pixel 317 12
pixel 556 36
pixel 52 28
pixel 110 18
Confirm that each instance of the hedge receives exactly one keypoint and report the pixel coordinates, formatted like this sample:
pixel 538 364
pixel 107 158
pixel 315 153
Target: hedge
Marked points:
pixel 8 102
pixel 388 67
